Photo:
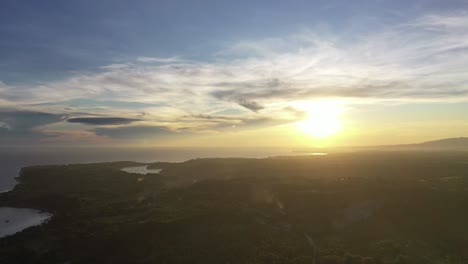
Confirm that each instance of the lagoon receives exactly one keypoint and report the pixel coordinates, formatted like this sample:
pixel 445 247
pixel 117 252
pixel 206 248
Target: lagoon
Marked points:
pixel 140 170
pixel 13 220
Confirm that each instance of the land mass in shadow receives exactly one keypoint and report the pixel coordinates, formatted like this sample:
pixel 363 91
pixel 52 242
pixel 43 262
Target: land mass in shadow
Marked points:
pixel 360 207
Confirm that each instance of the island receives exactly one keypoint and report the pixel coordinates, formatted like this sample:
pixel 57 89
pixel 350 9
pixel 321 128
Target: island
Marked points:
pixel 366 207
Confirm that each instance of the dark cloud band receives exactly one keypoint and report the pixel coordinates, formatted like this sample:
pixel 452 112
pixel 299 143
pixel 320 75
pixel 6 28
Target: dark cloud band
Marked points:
pixel 102 120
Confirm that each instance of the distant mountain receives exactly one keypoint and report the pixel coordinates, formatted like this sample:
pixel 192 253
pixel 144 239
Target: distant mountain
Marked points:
pixel 460 143
pixel 452 143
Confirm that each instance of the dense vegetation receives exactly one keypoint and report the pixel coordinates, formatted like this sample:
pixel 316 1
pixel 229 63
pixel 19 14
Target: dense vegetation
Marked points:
pixel 365 207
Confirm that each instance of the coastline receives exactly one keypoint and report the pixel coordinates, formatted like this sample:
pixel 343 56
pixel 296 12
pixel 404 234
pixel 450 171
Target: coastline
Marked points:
pixel 16 218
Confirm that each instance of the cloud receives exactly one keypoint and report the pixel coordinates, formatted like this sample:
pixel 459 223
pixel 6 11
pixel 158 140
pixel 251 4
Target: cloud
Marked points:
pixel 115 66
pixel 134 132
pixel 92 103
pixel 159 60
pixel 102 120
pixel 24 126
pixel 255 123
pixel 24 122
pixel 422 59
pixel 4 126
pixel 419 60
pixel 74 136
pixel 230 123
pixel 251 105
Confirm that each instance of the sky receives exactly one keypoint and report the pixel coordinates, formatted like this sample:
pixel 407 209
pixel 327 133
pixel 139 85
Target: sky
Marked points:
pixel 232 73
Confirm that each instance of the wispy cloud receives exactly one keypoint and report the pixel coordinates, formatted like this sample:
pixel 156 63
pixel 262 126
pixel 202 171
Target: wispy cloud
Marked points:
pixel 421 60
pixel 75 136
pixel 159 60
pixel 132 132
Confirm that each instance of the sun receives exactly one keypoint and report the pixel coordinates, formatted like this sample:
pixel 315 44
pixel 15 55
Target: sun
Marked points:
pixel 322 119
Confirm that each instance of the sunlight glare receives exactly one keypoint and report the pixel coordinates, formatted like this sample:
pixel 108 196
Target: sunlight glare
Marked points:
pixel 322 119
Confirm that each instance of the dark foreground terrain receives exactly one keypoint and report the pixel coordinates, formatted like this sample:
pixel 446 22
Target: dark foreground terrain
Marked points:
pixel 364 207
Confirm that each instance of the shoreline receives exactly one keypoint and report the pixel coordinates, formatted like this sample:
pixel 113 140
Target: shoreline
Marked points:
pixel 14 220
